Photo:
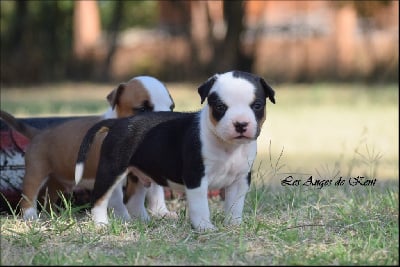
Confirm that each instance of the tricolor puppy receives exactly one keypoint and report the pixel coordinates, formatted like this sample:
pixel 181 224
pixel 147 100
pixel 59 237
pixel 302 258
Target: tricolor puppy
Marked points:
pixel 51 155
pixel 210 149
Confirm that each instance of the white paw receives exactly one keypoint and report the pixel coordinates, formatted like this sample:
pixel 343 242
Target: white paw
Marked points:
pixel 30 214
pixel 232 221
pixel 140 214
pixel 204 226
pixel 99 216
pixel 122 214
pixel 164 214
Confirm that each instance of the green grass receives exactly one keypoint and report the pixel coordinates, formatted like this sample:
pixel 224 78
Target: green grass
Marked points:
pixel 285 226
pixel 326 131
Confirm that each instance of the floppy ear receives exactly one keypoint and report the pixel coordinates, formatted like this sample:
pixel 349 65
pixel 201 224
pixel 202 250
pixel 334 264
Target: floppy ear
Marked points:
pixel 114 95
pixel 269 92
pixel 205 88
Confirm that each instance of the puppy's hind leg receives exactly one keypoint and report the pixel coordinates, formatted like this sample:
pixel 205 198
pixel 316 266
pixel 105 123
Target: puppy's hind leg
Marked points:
pixel 36 175
pixel 101 200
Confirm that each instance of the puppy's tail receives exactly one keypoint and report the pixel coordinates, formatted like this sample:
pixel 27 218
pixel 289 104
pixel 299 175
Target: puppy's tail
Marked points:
pixel 23 128
pixel 100 127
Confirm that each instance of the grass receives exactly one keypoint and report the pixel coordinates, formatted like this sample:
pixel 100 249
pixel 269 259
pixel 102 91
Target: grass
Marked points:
pixel 282 226
pixel 329 132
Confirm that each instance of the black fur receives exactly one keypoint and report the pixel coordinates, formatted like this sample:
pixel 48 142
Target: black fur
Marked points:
pixel 218 107
pixel 205 88
pixel 164 145
pixel 89 137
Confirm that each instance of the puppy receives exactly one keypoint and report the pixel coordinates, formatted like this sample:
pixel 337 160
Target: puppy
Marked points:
pixel 51 155
pixel 210 149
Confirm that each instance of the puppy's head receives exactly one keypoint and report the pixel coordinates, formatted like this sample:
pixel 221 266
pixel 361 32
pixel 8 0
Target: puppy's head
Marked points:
pixel 236 105
pixel 140 94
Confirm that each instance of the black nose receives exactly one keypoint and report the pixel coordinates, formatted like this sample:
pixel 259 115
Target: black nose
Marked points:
pixel 240 126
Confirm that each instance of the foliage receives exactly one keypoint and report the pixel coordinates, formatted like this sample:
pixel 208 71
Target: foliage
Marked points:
pixel 135 13
pixel 35 40
pixel 36 37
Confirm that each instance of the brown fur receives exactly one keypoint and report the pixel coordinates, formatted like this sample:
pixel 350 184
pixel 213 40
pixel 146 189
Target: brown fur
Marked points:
pixel 53 152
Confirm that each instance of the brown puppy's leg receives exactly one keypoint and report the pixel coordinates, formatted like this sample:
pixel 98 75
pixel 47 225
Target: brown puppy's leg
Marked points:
pixel 36 174
pixel 49 194
pixel 129 189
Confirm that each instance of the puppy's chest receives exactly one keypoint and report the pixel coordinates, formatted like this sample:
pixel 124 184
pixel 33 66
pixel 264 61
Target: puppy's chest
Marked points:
pixel 223 168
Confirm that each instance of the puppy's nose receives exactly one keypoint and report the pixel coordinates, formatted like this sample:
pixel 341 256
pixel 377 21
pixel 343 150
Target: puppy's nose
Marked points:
pixel 240 127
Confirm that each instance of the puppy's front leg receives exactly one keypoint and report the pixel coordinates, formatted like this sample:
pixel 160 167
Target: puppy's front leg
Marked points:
pixel 199 211
pixel 234 200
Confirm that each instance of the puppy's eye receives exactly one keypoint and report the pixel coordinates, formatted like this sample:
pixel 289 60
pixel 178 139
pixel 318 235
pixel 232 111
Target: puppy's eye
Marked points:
pixel 140 109
pixel 257 105
pixel 146 106
pixel 220 107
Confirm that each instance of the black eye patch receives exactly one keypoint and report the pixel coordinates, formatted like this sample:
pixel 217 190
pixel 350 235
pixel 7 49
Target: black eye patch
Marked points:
pixel 217 106
pixel 258 107
pixel 145 107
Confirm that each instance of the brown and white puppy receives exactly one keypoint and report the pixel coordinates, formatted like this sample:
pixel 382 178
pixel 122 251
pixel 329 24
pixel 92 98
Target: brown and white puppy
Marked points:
pixel 51 155
pixel 213 148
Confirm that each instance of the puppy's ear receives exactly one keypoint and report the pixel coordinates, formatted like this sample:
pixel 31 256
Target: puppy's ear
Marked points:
pixel 269 92
pixel 205 88
pixel 114 95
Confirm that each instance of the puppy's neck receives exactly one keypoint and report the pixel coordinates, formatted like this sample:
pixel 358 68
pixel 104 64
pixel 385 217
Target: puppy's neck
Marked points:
pixel 110 113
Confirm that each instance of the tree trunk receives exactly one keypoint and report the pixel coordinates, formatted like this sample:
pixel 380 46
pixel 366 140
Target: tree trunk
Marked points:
pixel 228 54
pixel 113 32
pixel 87 27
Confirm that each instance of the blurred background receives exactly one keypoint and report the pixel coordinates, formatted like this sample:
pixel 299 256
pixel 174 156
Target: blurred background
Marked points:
pixel 286 41
pixel 333 65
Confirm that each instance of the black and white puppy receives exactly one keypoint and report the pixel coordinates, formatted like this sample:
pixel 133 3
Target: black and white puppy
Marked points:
pixel 213 148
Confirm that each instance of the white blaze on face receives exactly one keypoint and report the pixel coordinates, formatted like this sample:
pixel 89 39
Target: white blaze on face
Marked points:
pixel 158 93
pixel 237 94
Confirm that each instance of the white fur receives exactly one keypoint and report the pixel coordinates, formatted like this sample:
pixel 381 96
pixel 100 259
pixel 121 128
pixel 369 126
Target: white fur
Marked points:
pixel 234 201
pixel 227 161
pixel 79 167
pixel 135 204
pixel 110 114
pixel 226 166
pixel 156 203
pixel 99 211
pixel 158 93
pixel 30 214
pixel 237 94
pixel 199 212
pixel 224 163
pixel 116 203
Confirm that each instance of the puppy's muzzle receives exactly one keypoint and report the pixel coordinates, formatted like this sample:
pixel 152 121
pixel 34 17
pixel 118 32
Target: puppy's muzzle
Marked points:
pixel 240 127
